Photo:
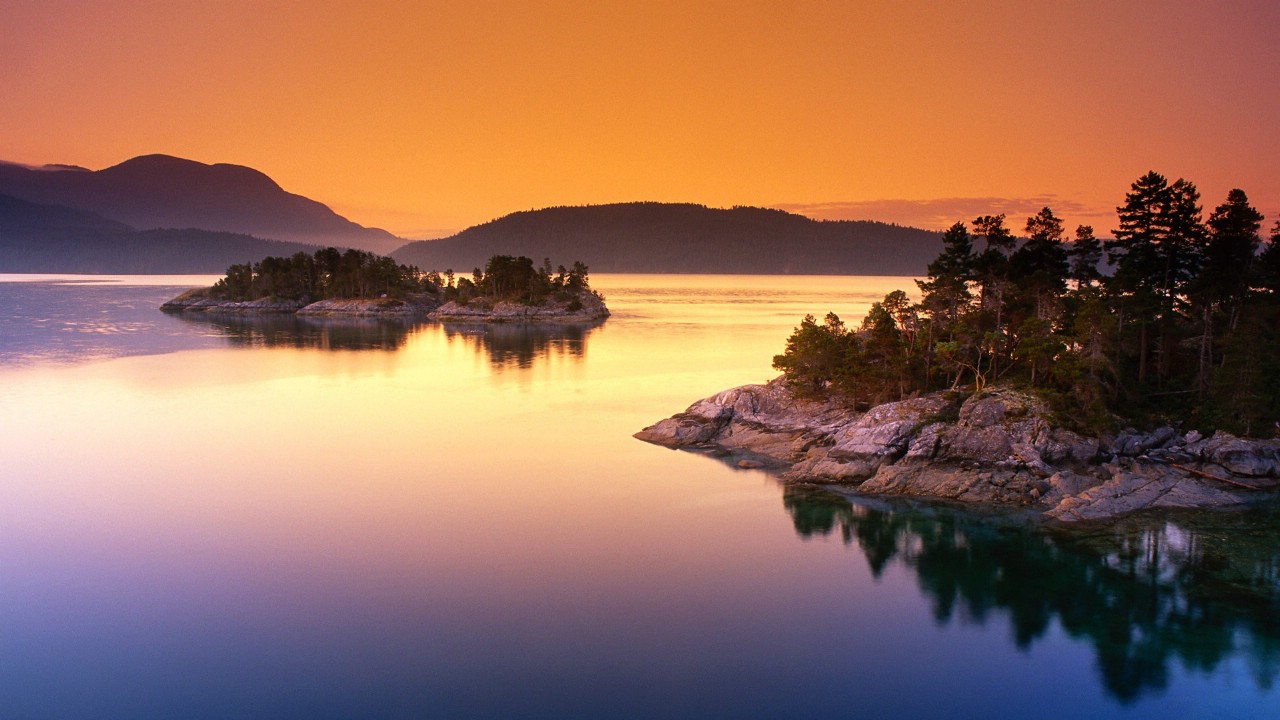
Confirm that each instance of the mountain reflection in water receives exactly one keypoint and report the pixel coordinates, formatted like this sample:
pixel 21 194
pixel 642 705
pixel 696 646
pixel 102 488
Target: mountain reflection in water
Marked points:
pixel 1141 591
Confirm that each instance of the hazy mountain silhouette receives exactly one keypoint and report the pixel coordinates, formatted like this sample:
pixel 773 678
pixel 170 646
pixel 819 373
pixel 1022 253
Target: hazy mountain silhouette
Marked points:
pixel 48 238
pixel 684 238
pixel 160 191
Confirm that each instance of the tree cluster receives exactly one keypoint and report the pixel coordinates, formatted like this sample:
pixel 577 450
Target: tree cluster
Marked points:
pixel 1182 326
pixel 329 273
pixel 506 278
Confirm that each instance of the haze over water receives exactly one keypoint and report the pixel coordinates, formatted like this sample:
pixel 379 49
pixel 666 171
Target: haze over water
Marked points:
pixel 242 517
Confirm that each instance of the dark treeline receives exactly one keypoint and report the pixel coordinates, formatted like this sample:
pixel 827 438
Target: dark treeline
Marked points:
pixel 515 279
pixel 329 273
pixel 333 273
pixel 1183 329
pixel 650 237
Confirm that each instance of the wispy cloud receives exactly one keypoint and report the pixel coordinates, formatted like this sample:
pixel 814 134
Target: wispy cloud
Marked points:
pixel 940 213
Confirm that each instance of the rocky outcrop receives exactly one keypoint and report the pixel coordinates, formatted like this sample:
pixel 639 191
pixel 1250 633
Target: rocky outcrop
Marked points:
pixel 583 306
pixel 201 300
pixel 371 307
pixel 994 447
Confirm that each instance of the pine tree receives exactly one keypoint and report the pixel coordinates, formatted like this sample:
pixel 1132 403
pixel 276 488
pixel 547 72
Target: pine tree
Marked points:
pixel 816 355
pixel 1084 255
pixel 1039 268
pixel 1155 254
pixel 946 295
pixel 1229 254
pixel 1220 288
pixel 946 291
pixel 991 266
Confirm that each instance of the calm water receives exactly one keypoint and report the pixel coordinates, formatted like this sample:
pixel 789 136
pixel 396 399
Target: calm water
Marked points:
pixel 281 518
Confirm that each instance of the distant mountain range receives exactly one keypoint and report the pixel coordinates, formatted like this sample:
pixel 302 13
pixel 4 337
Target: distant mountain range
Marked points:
pixel 684 238
pixel 160 191
pixel 162 214
pixel 50 239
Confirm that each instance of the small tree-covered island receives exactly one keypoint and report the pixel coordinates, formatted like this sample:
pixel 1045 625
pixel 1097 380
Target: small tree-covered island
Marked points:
pixel 1032 373
pixel 358 283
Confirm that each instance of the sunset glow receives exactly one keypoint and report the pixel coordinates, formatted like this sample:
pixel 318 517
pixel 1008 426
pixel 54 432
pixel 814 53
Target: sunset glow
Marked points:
pixel 425 118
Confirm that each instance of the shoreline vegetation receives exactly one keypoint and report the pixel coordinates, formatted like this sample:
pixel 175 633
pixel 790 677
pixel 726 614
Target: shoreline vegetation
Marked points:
pixel 1021 374
pixel 354 283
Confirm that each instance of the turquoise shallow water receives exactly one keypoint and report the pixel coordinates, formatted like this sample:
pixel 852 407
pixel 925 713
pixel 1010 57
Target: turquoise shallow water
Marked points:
pixel 280 518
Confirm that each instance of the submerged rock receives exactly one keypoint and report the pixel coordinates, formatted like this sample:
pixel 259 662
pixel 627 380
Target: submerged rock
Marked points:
pixel 993 447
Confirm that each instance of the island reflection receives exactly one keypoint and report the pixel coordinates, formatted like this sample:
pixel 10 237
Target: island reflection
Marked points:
pixel 503 345
pixel 510 345
pixel 296 331
pixel 1142 591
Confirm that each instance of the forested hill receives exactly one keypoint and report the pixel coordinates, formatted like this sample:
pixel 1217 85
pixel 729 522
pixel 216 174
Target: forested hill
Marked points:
pixel 685 238
pixel 37 238
pixel 161 191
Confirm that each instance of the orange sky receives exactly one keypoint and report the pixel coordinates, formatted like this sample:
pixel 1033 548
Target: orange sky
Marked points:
pixel 428 117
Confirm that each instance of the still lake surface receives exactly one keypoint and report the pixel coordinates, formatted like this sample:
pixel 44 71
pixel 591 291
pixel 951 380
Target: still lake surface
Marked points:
pixel 212 518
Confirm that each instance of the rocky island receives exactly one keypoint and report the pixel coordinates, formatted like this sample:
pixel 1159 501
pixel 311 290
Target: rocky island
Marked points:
pixel 360 284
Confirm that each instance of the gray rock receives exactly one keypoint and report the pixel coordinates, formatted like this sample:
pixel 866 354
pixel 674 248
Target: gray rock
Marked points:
pixel 1000 449
pixel 1132 443
pixel 983 444
pixel 199 301
pixel 927 443
pixel 1136 486
pixel 1063 446
pixel 1249 458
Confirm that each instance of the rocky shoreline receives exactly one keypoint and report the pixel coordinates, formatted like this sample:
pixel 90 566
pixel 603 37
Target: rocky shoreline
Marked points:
pixel 583 307
pixel 996 447
pixel 200 301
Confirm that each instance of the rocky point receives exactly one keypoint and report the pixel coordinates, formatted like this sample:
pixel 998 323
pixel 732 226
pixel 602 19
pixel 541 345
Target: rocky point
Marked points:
pixel 998 446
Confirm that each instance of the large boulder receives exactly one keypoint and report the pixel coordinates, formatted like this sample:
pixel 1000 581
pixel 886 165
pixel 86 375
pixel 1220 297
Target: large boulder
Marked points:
pixel 1247 458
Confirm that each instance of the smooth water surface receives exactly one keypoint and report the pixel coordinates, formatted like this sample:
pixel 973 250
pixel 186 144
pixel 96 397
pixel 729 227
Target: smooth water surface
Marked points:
pixel 236 517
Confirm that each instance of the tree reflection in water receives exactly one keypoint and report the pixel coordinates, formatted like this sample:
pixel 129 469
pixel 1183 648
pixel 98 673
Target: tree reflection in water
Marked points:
pixel 1201 588
pixel 519 345
pixel 504 345
pixel 298 331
